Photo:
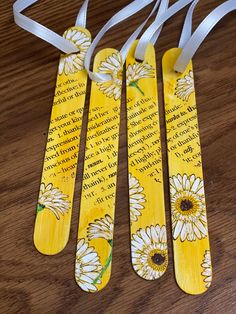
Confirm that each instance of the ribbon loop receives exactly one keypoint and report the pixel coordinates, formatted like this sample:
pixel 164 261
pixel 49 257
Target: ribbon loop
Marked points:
pixel 120 16
pixel 43 32
pixel 201 32
pixel 82 15
pixel 162 9
pixel 187 28
pixel 154 28
pixel 126 47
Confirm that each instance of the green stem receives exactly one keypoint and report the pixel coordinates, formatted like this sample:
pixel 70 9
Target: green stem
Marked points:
pixel 40 207
pixel 135 84
pixel 108 262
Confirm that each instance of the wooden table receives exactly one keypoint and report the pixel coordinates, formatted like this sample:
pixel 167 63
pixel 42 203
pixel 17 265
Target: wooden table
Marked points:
pixel 33 283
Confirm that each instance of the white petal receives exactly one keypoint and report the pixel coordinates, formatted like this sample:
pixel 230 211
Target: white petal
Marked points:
pixel 177 229
pixel 183 234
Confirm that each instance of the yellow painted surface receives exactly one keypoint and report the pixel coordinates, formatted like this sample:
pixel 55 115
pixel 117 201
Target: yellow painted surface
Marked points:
pixel 188 209
pixel 146 191
pixel 96 221
pixel 52 225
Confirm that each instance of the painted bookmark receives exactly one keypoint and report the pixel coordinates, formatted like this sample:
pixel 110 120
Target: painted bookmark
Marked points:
pixel 146 190
pixel 192 258
pixel 193 269
pixel 54 208
pixel 96 223
pixel 190 235
pixel 187 196
pixel 95 233
pixel 52 225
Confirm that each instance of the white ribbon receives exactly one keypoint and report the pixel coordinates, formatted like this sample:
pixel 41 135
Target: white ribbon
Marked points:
pixel 150 34
pixel 43 32
pixel 82 15
pixel 187 28
pixel 162 9
pixel 126 47
pixel 122 15
pixel 201 32
pixel 66 46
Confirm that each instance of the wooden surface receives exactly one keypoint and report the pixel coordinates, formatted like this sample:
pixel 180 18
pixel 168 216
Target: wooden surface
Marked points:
pixel 33 283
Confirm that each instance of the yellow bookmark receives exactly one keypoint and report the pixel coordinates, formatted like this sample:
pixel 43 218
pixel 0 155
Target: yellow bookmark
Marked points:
pixel 146 191
pixel 193 266
pixel 54 208
pixel 96 222
pixel 192 258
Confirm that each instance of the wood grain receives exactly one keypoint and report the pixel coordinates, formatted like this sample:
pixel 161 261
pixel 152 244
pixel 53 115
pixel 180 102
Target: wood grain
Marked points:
pixel 33 283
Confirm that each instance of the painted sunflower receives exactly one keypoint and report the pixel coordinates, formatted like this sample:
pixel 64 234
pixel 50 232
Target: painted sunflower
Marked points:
pixel 136 198
pixel 73 63
pixel 149 252
pixel 188 208
pixel 87 267
pixel 52 199
pixel 113 66
pixel 207 272
pixel 185 86
pixel 101 228
pixel 136 72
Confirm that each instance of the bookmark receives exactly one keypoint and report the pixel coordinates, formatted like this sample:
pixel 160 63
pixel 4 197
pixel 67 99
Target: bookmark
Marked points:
pixel 141 53
pixel 187 197
pixel 96 223
pixel 54 208
pixel 192 256
pixel 146 191
pixel 97 208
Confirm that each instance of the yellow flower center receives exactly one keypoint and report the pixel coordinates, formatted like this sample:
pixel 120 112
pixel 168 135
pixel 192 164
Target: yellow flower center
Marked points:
pixel 187 205
pixel 157 260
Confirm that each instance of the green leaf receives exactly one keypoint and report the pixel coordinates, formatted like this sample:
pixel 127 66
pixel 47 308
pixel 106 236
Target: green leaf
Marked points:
pixel 108 262
pixel 40 207
pixel 110 242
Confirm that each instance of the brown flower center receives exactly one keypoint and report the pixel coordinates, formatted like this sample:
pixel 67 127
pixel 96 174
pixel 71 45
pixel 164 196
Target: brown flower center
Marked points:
pixel 158 258
pixel 186 205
